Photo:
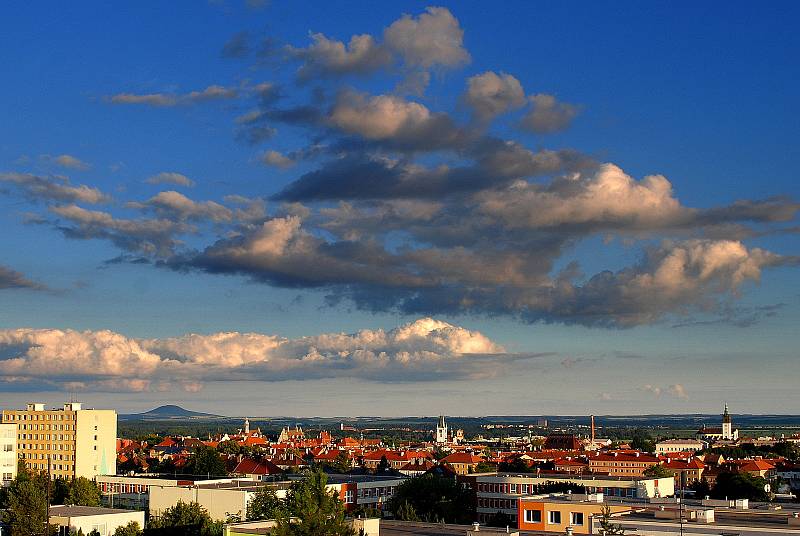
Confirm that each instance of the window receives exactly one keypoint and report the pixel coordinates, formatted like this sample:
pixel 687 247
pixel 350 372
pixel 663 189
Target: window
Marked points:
pixel 554 517
pixel 576 518
pixel 533 516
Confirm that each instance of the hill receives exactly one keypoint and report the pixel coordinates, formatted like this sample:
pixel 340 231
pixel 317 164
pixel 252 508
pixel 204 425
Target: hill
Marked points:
pixel 167 412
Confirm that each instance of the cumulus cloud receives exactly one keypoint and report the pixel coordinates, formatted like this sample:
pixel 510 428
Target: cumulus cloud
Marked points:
pixel 66 161
pixel 327 57
pixel 433 39
pixel 210 93
pixel 490 94
pixel 176 206
pixel 676 390
pixel 50 189
pixel 548 115
pixel 10 279
pixel 274 158
pixel 421 350
pixel 170 177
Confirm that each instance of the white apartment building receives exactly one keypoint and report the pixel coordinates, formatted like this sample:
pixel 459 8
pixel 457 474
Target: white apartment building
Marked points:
pixel 8 453
pixel 669 446
pixel 73 441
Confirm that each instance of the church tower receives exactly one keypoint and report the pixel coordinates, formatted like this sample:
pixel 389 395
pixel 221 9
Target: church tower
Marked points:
pixel 727 425
pixel 246 426
pixel 441 431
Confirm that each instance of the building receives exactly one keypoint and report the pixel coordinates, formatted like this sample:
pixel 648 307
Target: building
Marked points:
pixel 8 453
pixel 441 431
pixel 622 464
pixel 558 441
pixel 134 491
pixel 554 513
pixel 71 519
pixel 501 491
pixel 725 433
pixel 462 463
pixel 74 441
pixel 669 446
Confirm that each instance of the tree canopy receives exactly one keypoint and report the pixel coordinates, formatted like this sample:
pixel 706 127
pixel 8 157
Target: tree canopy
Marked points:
pixel 434 498
pixel 313 510
pixel 189 519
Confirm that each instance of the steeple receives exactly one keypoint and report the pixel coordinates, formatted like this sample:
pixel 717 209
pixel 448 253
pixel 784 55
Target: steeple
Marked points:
pixel 726 417
pixel 246 425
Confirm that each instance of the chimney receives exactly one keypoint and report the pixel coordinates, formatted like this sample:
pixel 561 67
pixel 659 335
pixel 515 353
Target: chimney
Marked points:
pixel 592 429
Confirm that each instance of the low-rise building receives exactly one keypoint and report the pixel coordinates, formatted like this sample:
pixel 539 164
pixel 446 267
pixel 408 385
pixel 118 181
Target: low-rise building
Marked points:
pixel 669 446
pixel 554 513
pixel 622 464
pixel 71 519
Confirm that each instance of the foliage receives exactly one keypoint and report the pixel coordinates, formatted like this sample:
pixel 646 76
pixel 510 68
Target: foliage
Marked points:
pixel 517 465
pixel 749 450
pixel 485 467
pixel 317 511
pixel 641 440
pixel 406 512
pixel 606 526
pixel 657 471
pixel 83 492
pixel 95 532
pixel 434 499
pixel 701 488
pixel 26 512
pixel 499 519
pixel 229 447
pixel 383 465
pixel 189 519
pixel 207 461
pixel 131 529
pixel 265 504
pixel 739 486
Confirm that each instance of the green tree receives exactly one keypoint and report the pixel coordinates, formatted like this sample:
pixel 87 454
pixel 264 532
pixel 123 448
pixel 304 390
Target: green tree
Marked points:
pixel 435 499
pixel 739 486
pixel 642 441
pixel 229 447
pixel 606 526
pixel 265 504
pixel 95 532
pixel 318 512
pixel 207 461
pixel 407 512
pixel 657 471
pixel 516 465
pixel 59 491
pixel 701 488
pixel 485 467
pixel 499 519
pixel 383 465
pixel 131 529
pixel 184 519
pixel 83 492
pixel 26 512
pixel 342 463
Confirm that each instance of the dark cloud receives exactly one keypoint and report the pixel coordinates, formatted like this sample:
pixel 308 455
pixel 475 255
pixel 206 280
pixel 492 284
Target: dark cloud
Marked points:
pixel 11 279
pixel 53 189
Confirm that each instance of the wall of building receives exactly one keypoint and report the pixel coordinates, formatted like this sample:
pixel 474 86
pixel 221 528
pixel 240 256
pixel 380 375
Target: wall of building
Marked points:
pixel 105 524
pixel 8 453
pixel 221 503
pixel 566 511
pixel 95 442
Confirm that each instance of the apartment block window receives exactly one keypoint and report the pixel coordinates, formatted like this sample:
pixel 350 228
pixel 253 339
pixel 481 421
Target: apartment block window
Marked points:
pixel 533 516
pixel 576 518
pixel 554 517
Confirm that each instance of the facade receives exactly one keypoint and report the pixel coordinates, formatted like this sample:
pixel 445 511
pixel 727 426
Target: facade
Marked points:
pixel 462 463
pixel 622 464
pixel 724 433
pixel 670 446
pixel 71 519
pixel 441 431
pixel 556 513
pixel 73 441
pixel 8 453
pixel 501 491
pixel 134 491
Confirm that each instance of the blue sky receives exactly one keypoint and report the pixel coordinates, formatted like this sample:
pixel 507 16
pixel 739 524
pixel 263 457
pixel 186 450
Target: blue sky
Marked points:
pixel 689 294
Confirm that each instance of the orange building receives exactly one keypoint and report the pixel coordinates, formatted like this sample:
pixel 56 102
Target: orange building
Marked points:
pixel 622 464
pixel 555 515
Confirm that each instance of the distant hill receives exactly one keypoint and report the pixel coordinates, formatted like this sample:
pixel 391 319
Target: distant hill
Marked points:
pixel 167 412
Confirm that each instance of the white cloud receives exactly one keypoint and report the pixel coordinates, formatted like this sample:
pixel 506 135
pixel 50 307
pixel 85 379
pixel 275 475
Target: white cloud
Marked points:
pixel 210 93
pixel 170 177
pixel 107 360
pixel 68 161
pixel 328 57
pixel 432 39
pixel 54 189
pixel 274 158
pixel 490 94
pixel 176 205
pixel 548 115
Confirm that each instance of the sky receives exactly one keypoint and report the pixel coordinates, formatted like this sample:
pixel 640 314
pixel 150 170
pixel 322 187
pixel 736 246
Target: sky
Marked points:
pixel 342 208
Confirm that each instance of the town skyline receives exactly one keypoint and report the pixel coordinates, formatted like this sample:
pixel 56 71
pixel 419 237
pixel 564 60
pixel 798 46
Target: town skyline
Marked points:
pixel 396 212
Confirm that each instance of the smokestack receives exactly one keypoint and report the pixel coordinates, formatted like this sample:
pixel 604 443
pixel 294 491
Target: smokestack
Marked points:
pixel 592 429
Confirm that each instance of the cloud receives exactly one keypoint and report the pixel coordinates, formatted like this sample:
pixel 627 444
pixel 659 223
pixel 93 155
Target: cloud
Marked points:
pixel 237 47
pixel 396 122
pixel 425 349
pixel 548 115
pixel 433 39
pixel 210 93
pixel 67 161
pixel 274 158
pixel 676 391
pixel 327 57
pixel 49 189
pixel 174 205
pixel 11 279
pixel 169 177
pixel 490 94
